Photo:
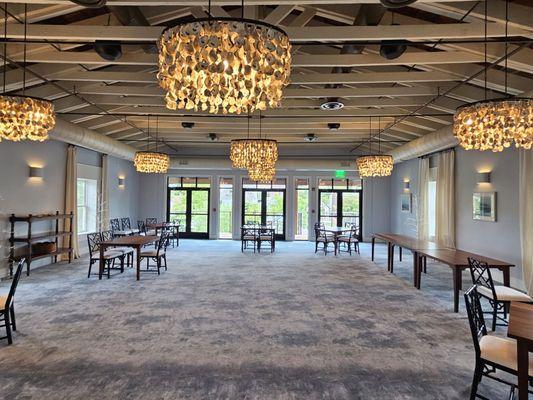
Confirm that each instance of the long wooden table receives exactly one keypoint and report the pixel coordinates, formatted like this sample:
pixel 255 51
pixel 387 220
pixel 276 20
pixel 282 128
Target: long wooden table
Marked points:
pixel 136 242
pixel 521 329
pixel 457 260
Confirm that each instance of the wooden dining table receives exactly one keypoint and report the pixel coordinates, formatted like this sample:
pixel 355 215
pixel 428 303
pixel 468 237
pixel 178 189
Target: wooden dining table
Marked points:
pixel 261 228
pixel 521 329
pixel 162 225
pixel 336 231
pixel 136 242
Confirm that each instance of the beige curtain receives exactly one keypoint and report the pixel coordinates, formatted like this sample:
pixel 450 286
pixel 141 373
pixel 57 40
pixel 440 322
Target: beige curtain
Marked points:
pixel 422 198
pixel 526 216
pixel 103 212
pixel 445 202
pixel 71 184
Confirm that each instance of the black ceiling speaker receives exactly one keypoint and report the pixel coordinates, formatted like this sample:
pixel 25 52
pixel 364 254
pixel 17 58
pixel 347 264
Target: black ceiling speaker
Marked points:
pixel 187 125
pixel 396 3
pixel 334 126
pixel 108 50
pixel 311 137
pixel 90 3
pixel 391 49
pixel 213 137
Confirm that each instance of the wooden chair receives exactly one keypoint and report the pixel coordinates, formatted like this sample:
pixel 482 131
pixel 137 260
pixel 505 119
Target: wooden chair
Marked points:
pixel 492 353
pixel 324 238
pixel 126 226
pixel 248 235
pixel 151 221
pixel 93 240
pixel 7 305
pixel 106 236
pixel 266 236
pixel 348 240
pixel 175 235
pixel 499 297
pixel 158 254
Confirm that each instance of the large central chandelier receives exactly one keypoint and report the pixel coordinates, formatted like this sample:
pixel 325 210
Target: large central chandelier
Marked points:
pixel 151 162
pixel 24 117
pixel 378 165
pixel 495 124
pixel 224 64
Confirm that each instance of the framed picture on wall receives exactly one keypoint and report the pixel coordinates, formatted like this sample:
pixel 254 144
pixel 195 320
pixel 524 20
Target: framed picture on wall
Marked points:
pixel 406 202
pixel 484 206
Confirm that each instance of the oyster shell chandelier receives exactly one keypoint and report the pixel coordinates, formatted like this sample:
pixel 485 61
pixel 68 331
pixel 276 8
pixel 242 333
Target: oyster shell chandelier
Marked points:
pixel 495 124
pixel 370 166
pixel 262 173
pixel 23 117
pixel 151 162
pixel 224 65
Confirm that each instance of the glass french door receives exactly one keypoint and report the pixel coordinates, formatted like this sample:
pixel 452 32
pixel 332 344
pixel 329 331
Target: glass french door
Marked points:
pixel 191 207
pixel 339 207
pixel 265 206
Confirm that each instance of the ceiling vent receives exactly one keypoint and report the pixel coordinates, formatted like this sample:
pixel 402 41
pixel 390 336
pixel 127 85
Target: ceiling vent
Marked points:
pixel 396 3
pixel 109 50
pixel 90 3
pixel 187 125
pixel 311 137
pixel 183 162
pixel 331 105
pixel 334 126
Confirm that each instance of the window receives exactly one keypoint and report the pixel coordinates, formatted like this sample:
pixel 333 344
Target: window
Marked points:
pixel 302 209
pixel 225 208
pixel 432 203
pixel 87 199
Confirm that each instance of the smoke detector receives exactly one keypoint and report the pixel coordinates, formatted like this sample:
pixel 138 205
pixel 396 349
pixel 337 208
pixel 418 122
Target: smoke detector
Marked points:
pixel 311 137
pixel 396 3
pixel 90 3
pixel 212 137
pixel 334 126
pixel 187 125
pixel 331 105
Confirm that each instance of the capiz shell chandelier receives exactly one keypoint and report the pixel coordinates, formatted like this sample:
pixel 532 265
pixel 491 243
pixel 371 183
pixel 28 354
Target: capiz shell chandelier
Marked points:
pixel 378 165
pixel 262 173
pixel 247 152
pixel 495 124
pixel 224 64
pixel 151 162
pixel 25 118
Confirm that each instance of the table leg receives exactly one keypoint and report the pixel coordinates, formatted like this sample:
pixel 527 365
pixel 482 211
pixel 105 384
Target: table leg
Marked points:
pixel 506 276
pixel 138 249
pixel 415 269
pixel 400 250
pixel 101 262
pixel 523 360
pixel 392 258
pixel 456 287
pixel 388 256
pixel 373 245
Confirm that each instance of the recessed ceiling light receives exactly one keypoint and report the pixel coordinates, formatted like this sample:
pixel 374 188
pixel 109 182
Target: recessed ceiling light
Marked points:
pixel 334 126
pixel 396 3
pixel 311 137
pixel 90 3
pixel 333 104
pixel 187 125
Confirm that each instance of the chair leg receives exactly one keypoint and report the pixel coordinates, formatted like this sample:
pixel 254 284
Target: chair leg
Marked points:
pixel 494 315
pixel 13 322
pixel 90 266
pixel 478 374
pixel 8 327
pixel 165 258
pixel 158 261
pixel 316 246
pixel 122 264
pixel 109 265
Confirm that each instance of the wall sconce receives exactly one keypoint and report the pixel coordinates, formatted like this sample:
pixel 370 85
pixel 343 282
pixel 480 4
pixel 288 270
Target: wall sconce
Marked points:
pixel 121 182
pixel 483 177
pixel 36 172
pixel 406 186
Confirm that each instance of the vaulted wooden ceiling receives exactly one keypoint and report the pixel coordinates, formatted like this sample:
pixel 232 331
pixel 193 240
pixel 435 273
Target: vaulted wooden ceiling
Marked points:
pixel 335 55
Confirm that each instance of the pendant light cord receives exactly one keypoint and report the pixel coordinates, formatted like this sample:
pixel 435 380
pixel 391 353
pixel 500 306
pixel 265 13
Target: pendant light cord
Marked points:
pixel 370 138
pixel 5 46
pixel 148 143
pixel 485 45
pixel 506 41
pixel 25 37
pixel 209 9
pixel 156 131
pixel 242 9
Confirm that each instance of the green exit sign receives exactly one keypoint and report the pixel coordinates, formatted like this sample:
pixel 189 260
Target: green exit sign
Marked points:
pixel 340 174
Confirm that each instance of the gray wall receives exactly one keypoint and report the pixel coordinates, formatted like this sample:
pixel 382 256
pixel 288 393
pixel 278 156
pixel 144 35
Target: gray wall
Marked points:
pixel 123 201
pixel 500 239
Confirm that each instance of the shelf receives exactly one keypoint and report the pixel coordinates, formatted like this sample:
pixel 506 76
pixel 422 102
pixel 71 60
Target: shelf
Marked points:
pixel 39 237
pixel 34 257
pixel 38 217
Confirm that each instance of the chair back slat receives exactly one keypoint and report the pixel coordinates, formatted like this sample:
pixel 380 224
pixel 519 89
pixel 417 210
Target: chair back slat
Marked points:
pixel 126 224
pixel 141 226
pixel 475 317
pixel 151 221
pixel 115 224
pixel 14 284
pixel 93 241
pixel 106 235
pixel 481 275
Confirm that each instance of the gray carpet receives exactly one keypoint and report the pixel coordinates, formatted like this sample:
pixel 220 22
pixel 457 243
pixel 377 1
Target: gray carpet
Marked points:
pixel 224 325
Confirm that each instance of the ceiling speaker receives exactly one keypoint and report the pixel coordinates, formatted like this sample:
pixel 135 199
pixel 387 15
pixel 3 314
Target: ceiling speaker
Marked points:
pixel 396 3
pixel 110 51
pixel 90 3
pixel 391 49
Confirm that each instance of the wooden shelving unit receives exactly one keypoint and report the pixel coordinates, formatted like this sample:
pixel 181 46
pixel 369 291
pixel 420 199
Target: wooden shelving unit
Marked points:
pixel 30 238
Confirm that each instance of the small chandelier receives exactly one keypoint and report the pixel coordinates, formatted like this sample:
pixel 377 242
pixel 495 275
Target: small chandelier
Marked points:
pixel 370 166
pixel 252 152
pixel 262 172
pixel 233 65
pixel 24 117
pixel 495 124
pixel 151 162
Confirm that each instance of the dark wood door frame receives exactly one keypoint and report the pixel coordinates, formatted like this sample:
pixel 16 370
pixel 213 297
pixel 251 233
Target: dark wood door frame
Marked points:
pixel 185 231
pixel 264 207
pixel 339 215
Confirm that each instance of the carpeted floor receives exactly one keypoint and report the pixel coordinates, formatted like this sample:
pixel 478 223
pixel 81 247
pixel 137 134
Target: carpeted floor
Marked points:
pixel 224 325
